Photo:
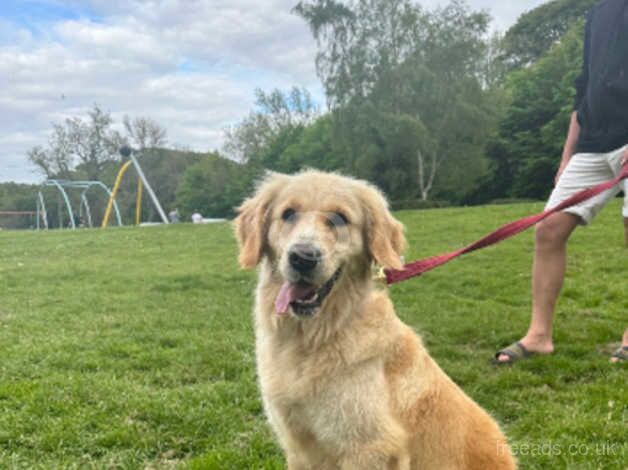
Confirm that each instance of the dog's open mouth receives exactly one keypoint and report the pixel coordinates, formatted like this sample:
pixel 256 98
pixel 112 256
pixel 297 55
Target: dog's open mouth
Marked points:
pixel 304 298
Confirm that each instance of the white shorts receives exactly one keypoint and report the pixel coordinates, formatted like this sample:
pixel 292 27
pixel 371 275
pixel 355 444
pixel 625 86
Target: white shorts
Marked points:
pixel 583 171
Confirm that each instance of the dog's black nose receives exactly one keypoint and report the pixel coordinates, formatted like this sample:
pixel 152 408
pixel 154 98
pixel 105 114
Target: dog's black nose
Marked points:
pixel 303 257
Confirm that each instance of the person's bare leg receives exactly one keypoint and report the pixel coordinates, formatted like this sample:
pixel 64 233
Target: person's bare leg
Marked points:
pixel 626 230
pixel 624 344
pixel 548 273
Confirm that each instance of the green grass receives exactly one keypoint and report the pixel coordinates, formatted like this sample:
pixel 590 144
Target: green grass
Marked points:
pixel 133 348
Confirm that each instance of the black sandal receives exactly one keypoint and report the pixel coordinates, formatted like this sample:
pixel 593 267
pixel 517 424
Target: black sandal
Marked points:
pixel 515 352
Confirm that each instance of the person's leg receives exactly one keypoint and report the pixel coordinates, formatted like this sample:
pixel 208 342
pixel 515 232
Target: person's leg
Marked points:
pixel 548 273
pixel 548 270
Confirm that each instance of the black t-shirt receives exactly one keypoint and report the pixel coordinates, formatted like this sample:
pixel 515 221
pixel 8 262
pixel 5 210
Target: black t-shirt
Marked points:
pixel 602 88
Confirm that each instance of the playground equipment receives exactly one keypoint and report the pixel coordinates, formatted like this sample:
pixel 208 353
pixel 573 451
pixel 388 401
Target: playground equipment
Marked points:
pixel 142 182
pixel 85 212
pixel 84 208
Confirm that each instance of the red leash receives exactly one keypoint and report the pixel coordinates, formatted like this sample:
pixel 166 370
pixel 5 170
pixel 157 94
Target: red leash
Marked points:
pixel 423 265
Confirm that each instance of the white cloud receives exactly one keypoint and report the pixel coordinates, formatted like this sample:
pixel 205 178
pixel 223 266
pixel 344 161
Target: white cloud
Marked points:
pixel 192 65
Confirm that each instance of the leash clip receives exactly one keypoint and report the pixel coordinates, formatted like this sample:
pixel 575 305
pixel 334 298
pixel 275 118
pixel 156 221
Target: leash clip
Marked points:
pixel 379 275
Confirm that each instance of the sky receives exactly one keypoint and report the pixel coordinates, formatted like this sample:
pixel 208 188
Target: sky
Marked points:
pixel 190 65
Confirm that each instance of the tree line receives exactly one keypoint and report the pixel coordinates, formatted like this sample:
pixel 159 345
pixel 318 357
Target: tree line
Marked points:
pixel 424 103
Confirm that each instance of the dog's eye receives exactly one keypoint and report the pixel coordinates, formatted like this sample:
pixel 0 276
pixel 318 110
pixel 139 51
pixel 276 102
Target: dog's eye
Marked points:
pixel 337 219
pixel 289 215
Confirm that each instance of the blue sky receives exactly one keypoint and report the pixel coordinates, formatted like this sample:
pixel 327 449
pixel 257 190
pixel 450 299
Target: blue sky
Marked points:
pixel 36 16
pixel 192 65
pixel 23 11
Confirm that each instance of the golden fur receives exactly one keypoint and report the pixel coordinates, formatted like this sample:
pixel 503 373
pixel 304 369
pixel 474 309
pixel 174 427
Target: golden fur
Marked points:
pixel 351 387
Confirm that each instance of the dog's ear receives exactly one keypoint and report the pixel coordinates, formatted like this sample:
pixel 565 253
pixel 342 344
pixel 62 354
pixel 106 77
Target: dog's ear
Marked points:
pixel 384 233
pixel 251 224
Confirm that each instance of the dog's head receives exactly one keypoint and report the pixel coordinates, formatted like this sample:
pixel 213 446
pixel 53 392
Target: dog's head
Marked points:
pixel 314 228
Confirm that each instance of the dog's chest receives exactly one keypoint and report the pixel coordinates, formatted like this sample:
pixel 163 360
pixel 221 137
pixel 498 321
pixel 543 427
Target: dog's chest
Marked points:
pixel 314 398
pixel 294 378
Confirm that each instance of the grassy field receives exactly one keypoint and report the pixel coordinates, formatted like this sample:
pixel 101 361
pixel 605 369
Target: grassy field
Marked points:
pixel 133 348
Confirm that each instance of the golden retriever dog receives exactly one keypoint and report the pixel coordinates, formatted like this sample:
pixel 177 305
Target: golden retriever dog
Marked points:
pixel 345 384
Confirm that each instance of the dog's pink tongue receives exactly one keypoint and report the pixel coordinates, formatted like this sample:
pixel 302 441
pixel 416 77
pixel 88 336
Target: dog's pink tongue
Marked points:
pixel 289 293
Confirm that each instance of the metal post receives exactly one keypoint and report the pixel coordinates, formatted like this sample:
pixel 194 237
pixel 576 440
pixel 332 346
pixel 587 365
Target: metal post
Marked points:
pixel 115 203
pixel 114 193
pixel 37 204
pixel 88 211
pixel 138 202
pixel 149 189
pixel 68 204
pixel 41 204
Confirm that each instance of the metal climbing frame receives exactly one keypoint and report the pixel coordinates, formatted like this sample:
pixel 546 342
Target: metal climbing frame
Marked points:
pixel 142 182
pixel 84 208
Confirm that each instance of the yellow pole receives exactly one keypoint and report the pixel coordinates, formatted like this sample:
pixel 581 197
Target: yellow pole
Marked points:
pixel 116 187
pixel 138 202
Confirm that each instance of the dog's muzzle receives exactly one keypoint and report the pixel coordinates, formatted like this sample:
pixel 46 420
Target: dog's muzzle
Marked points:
pixel 303 258
pixel 304 298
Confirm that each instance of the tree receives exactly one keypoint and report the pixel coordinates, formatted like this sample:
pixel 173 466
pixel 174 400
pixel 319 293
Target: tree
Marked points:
pixel 84 144
pixel 314 148
pixel 538 30
pixel 144 133
pixel 404 86
pixel 525 151
pixel 359 43
pixel 493 68
pixel 214 186
pixel 93 142
pixel 277 121
pixel 54 161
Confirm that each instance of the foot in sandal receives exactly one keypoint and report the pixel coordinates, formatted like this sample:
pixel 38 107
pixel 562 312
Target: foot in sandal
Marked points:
pixel 524 348
pixel 621 355
pixel 511 354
